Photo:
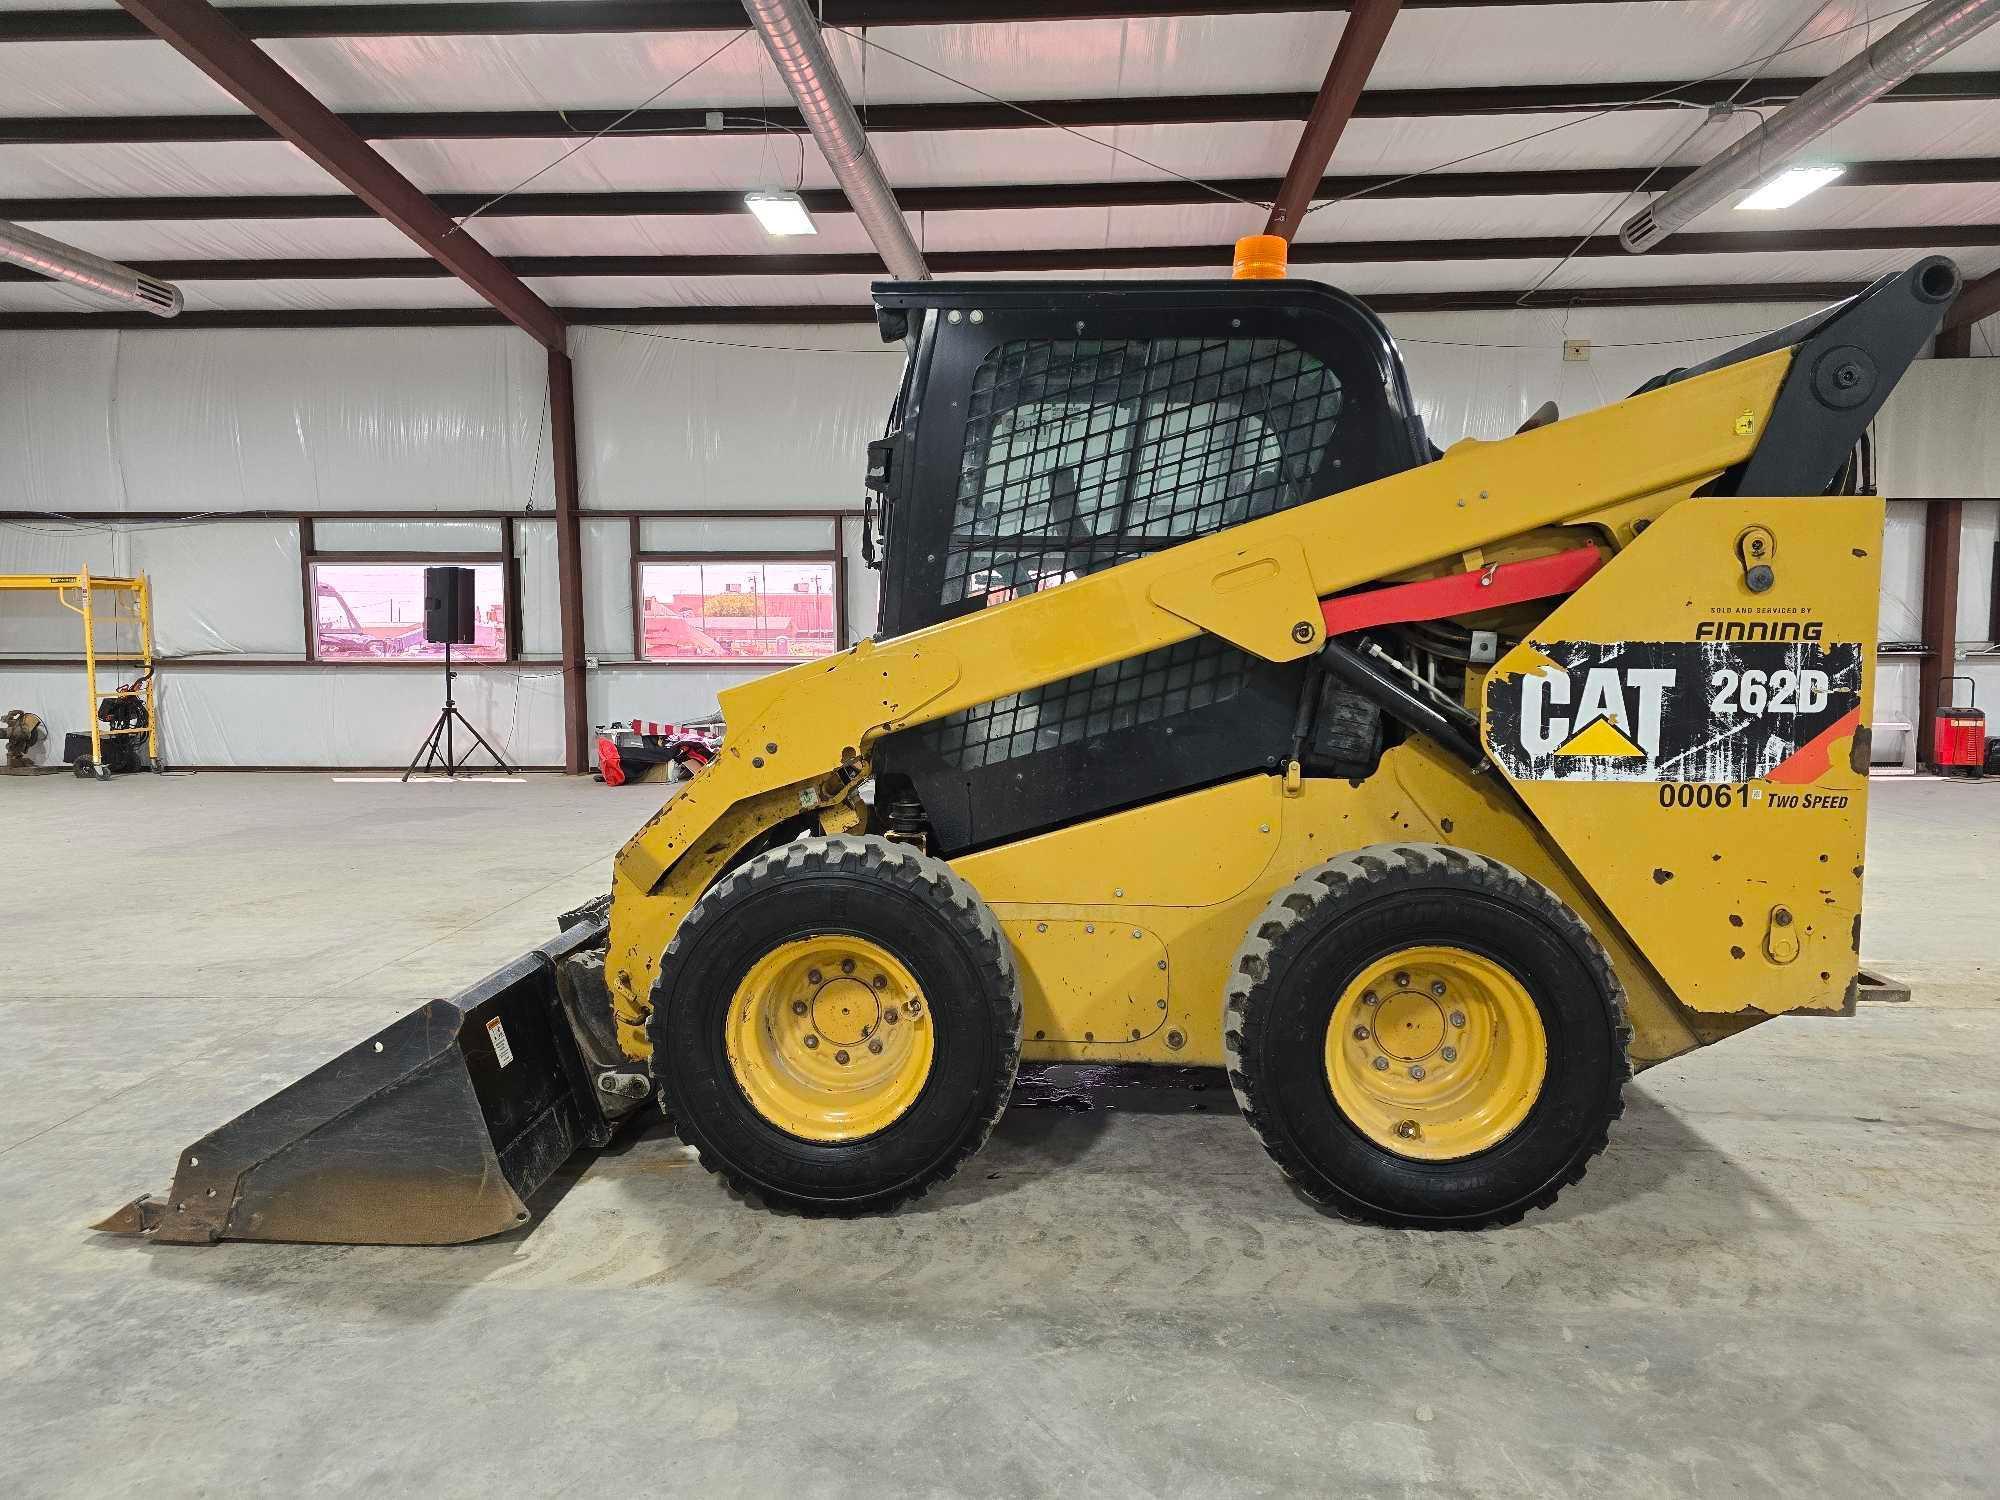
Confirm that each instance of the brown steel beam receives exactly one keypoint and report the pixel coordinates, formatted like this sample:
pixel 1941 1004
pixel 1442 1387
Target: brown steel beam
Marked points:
pixel 979 114
pixel 1167 192
pixel 584 17
pixel 1360 43
pixel 1943 526
pixel 1691 294
pixel 1954 343
pixel 1090 258
pixel 569 563
pixel 200 33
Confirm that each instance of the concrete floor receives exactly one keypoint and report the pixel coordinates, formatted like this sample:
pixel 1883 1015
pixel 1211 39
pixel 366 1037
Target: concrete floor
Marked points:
pixel 1783 1277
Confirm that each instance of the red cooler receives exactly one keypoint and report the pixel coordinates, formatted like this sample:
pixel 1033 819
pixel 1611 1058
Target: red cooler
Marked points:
pixel 1958 735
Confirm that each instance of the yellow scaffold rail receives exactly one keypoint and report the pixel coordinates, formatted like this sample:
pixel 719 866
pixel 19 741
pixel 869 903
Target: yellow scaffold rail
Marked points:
pixel 128 601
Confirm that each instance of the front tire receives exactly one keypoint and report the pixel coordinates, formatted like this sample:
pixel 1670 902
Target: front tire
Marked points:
pixel 1425 1038
pixel 837 1025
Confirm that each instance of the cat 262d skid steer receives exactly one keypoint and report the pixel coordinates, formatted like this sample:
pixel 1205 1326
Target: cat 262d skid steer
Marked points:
pixel 1214 719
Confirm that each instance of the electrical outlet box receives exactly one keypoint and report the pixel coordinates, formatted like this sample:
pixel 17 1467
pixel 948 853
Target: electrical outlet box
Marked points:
pixel 1576 351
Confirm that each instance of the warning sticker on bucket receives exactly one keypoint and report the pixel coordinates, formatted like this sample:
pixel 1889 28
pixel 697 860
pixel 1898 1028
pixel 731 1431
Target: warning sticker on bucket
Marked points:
pixel 501 1050
pixel 1706 711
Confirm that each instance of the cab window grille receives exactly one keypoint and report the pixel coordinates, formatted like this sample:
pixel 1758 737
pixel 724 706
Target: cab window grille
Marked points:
pixel 1143 690
pixel 1080 454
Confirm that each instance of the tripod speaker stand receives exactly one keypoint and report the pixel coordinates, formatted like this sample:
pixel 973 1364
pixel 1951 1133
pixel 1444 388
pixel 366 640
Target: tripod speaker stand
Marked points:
pixel 448 621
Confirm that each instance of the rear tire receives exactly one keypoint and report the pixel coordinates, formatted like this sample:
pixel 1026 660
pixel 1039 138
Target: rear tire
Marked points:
pixel 733 987
pixel 1470 1021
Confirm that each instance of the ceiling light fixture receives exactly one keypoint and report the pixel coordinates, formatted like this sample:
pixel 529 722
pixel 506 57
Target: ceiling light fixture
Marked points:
pixel 1787 188
pixel 780 213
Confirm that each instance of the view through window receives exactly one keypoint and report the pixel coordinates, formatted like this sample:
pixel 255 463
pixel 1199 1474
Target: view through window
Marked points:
pixel 749 609
pixel 375 612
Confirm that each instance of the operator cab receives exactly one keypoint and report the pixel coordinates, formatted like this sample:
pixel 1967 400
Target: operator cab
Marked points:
pixel 1052 429
pixel 1048 430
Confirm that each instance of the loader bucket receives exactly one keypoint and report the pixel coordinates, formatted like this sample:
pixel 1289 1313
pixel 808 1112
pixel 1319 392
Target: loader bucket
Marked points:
pixel 436 1130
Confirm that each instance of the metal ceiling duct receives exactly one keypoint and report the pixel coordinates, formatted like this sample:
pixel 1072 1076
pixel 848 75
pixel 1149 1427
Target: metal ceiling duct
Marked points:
pixel 792 38
pixel 95 274
pixel 1918 42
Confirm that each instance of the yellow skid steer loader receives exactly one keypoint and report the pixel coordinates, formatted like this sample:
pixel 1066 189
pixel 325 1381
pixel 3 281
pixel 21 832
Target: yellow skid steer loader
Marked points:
pixel 1214 719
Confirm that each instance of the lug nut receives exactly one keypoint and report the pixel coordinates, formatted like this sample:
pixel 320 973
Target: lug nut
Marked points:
pixel 876 1046
pixel 881 981
pixel 811 1042
pixel 1361 1033
pixel 1368 997
pixel 1437 986
pixel 1416 1070
pixel 1381 1064
pixel 916 1007
pixel 1458 1018
pixel 892 1015
pixel 847 966
pixel 1408 1130
pixel 841 1057
pixel 1450 1054
pixel 812 976
pixel 1402 981
pixel 798 1007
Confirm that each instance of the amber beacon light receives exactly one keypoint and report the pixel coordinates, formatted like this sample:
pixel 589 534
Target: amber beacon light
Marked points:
pixel 1260 257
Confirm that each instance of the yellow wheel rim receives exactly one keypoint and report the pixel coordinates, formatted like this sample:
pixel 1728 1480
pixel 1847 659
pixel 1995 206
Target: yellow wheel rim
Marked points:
pixel 829 1038
pixel 1436 1053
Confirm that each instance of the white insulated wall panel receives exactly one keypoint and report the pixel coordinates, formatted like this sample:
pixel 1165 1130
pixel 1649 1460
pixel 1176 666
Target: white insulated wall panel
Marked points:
pixel 737 534
pixel 675 424
pixel 541 617
pixel 864 584
pixel 34 623
pixel 223 588
pixel 1934 439
pixel 313 716
pixel 1979 528
pixel 1902 613
pixel 651 693
pixel 607 589
pixel 272 419
pixel 406 536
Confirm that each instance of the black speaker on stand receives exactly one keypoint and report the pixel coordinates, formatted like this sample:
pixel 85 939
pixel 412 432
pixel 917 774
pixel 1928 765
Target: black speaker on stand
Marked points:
pixel 448 621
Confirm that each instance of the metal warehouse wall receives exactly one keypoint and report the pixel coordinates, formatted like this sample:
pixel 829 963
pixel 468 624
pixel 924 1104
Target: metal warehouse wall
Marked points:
pixel 405 423
pixel 672 424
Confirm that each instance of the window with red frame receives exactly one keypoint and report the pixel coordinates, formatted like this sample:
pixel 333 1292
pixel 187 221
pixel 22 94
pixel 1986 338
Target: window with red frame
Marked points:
pixel 374 611
pixel 737 609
